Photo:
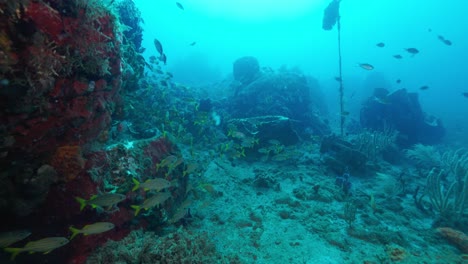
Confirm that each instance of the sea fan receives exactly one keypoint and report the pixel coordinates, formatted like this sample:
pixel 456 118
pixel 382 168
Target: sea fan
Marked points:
pixel 424 156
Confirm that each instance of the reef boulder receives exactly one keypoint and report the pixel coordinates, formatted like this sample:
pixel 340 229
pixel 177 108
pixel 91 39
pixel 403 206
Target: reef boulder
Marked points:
pixel 287 93
pixel 246 69
pixel 400 110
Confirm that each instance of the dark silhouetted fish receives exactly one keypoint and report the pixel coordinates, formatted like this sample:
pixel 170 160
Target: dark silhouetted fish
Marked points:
pixel 366 66
pixel 158 46
pixel 398 81
pixel 163 58
pixel 149 66
pixel 423 88
pixel 380 44
pixel 413 51
pixel 447 42
pixel 398 56
pixel 193 43
pixel 338 79
pixel 465 95
pixel 179 5
pixel 444 40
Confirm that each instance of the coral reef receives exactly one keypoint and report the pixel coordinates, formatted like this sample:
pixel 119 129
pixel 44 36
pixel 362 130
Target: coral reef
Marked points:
pixel 342 155
pixel 424 156
pixel 246 69
pixel 69 162
pixel 266 128
pixel 238 173
pixel 34 186
pixel 181 246
pixel 286 92
pixel 62 87
pixel 401 111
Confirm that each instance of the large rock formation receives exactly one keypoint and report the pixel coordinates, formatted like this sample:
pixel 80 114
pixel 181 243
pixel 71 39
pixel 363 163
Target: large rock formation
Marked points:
pixel 401 110
pixel 246 69
pixel 287 93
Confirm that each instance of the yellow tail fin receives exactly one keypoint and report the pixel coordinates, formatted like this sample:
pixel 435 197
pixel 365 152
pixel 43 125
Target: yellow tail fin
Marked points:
pixel 14 252
pixel 75 232
pixel 82 202
pixel 137 209
pixel 137 184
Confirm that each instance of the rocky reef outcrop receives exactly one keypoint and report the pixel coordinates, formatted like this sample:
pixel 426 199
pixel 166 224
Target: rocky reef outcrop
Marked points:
pixel 246 69
pixel 400 110
pixel 287 93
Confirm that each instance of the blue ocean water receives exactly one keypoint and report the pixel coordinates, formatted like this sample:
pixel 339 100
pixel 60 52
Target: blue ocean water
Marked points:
pixel 290 33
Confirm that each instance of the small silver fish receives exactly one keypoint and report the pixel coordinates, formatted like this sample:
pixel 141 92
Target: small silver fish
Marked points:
pixel 366 66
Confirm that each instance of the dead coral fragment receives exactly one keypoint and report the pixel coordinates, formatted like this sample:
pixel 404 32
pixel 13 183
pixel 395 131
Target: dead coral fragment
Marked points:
pixel 396 253
pixel 458 238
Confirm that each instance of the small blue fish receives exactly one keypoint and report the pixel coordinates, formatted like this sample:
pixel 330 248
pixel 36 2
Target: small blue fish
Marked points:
pixel 413 51
pixel 423 88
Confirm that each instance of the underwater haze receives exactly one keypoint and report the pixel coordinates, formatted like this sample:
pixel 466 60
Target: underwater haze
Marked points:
pixel 290 33
pixel 233 131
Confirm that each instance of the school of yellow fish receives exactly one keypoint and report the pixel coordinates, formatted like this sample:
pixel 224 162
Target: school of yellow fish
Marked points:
pixel 106 202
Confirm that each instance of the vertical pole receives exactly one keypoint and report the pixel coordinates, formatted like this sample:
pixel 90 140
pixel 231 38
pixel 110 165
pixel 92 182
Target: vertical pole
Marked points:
pixel 342 111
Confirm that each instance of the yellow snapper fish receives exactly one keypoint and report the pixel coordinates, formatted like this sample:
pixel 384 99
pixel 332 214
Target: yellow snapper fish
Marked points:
pixel 96 228
pixel 156 184
pixel 44 245
pixel 169 161
pixel 151 202
pixel 104 200
pixel 11 237
pixel 190 168
pixel 181 211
